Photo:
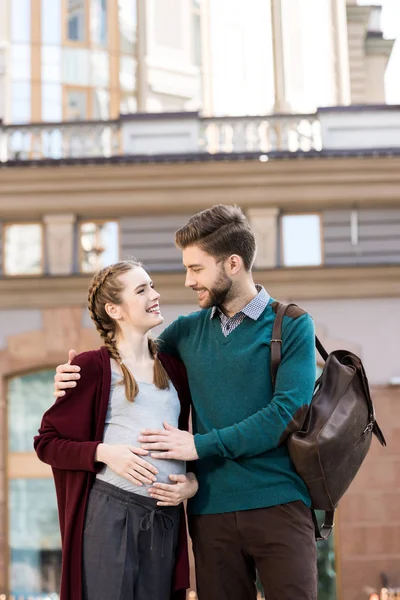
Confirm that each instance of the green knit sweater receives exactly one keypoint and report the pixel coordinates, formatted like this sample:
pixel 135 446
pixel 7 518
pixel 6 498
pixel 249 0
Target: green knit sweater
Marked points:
pixel 240 425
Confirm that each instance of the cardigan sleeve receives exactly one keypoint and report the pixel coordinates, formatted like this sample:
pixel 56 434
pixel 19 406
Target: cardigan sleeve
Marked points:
pixel 66 435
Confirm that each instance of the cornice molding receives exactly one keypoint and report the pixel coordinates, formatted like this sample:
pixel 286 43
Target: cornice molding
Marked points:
pixel 113 190
pixel 290 284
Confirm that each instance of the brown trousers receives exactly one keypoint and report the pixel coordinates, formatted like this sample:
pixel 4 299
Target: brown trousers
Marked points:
pixel 278 542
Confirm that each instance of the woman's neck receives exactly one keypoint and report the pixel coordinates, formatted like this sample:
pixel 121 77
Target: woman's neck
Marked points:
pixel 133 347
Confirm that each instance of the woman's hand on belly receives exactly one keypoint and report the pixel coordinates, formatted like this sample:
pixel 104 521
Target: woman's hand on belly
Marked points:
pixel 172 494
pixel 125 461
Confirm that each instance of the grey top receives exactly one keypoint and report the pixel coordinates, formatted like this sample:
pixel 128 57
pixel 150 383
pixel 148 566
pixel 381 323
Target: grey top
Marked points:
pixel 125 420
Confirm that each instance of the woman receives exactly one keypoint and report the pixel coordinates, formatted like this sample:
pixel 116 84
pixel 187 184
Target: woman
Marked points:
pixel 121 517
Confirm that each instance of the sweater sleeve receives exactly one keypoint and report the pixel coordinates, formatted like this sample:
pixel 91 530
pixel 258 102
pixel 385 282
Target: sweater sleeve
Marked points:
pixel 270 426
pixel 65 439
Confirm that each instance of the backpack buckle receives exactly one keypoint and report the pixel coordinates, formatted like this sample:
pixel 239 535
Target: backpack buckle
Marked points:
pixel 369 428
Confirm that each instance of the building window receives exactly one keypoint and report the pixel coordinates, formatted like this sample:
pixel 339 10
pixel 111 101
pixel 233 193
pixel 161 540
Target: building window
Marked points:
pixel 301 240
pixel 76 21
pixel 51 22
pixel 76 105
pixel 127 17
pixel 33 529
pixel 23 249
pixel 98 22
pixel 99 245
pixel 20 20
pixel 197 32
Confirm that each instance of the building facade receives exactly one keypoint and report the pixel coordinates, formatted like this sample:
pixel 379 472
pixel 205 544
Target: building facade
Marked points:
pixel 84 181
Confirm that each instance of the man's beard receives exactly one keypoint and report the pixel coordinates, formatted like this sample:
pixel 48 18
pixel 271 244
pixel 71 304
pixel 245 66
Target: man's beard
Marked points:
pixel 219 293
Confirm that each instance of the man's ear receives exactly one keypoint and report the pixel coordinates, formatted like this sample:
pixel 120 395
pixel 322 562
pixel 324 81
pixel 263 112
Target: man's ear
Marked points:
pixel 113 311
pixel 234 264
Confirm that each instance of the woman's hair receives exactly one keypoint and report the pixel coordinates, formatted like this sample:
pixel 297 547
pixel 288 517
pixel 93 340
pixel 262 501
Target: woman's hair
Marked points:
pixel 220 231
pixel 106 287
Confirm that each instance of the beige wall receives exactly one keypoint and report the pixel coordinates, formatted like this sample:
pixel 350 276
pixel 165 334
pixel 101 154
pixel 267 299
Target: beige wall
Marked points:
pixel 368 527
pixel 371 324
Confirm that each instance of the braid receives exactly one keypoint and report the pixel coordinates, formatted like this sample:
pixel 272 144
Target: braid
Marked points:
pixel 160 375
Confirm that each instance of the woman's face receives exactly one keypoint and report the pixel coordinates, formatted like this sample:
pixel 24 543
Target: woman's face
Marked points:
pixel 140 307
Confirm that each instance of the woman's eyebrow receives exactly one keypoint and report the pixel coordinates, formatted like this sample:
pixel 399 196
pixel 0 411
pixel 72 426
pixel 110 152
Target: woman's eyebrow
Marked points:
pixel 142 285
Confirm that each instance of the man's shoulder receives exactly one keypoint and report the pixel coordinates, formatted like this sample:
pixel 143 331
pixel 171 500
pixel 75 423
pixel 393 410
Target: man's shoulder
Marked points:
pixel 293 312
pixel 192 319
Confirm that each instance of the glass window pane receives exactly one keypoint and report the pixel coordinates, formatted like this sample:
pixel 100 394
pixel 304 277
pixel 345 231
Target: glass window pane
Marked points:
pixel 34 538
pixel 51 22
pixel 51 102
pixel 21 62
pixel 127 73
pixel 21 102
pixel 23 249
pixel 20 20
pixel 99 68
pixel 75 68
pixel 29 396
pixel 127 25
pixel 98 22
pixel 301 240
pixel 101 104
pixel 197 39
pixel 51 63
pixel 76 22
pixel 76 105
pixel 99 245
pixel 128 104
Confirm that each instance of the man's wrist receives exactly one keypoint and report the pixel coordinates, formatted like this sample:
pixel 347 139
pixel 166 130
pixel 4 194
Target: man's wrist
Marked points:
pixel 206 444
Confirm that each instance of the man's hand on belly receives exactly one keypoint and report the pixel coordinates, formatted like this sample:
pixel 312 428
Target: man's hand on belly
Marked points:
pixel 173 443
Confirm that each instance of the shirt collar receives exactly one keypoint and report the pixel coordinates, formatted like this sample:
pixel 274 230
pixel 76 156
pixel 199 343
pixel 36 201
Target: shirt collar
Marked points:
pixel 254 308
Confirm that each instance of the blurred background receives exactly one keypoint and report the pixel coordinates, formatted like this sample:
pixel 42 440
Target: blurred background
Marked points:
pixel 119 119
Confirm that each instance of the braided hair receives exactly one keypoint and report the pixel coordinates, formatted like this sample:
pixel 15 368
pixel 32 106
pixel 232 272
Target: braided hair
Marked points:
pixel 106 287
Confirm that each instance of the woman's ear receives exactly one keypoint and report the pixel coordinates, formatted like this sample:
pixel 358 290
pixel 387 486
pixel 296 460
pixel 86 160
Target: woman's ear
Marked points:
pixel 113 311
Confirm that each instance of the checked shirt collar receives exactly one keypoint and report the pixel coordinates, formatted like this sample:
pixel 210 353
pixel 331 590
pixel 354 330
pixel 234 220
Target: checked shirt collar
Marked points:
pixel 253 310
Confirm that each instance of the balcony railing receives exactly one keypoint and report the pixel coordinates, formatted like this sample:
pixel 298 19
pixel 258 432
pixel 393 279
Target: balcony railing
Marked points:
pixel 83 139
pixel 261 134
pixel 169 134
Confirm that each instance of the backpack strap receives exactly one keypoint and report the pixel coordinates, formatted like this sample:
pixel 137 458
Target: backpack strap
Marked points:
pixel 322 533
pixel 276 341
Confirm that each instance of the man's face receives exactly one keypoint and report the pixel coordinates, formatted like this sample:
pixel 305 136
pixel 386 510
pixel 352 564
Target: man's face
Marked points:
pixel 207 277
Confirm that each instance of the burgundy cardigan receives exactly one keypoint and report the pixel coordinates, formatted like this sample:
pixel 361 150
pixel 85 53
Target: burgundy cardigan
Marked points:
pixel 68 437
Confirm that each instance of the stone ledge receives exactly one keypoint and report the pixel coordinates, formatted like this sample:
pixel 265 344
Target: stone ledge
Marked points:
pixel 289 284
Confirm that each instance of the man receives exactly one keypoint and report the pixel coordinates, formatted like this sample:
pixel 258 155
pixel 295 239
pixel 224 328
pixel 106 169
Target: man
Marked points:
pixel 252 509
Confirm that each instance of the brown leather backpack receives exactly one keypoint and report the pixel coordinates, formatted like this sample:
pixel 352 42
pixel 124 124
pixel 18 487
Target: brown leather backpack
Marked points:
pixel 336 434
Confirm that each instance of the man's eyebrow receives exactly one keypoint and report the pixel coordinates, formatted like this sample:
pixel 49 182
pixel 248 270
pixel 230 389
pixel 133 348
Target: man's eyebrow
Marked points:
pixel 143 285
pixel 192 266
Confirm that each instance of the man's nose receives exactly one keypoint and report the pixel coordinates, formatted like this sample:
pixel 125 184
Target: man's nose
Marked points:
pixel 189 282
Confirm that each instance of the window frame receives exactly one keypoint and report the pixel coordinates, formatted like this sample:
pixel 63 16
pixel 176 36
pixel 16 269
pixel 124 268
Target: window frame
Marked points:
pixel 85 43
pixel 96 222
pixel 318 214
pixel 89 103
pixel 6 226
pixel 18 465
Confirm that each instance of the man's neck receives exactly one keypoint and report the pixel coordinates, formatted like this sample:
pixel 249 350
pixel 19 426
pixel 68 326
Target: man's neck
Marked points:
pixel 245 295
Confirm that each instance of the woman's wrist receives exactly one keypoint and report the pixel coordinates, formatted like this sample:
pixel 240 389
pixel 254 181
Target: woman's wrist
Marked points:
pixel 100 454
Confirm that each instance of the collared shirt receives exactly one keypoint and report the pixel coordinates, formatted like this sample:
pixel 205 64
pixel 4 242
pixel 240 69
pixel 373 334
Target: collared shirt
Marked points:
pixel 253 310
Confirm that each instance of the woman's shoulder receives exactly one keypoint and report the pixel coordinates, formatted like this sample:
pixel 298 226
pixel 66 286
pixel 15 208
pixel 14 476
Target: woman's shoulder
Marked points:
pixel 91 359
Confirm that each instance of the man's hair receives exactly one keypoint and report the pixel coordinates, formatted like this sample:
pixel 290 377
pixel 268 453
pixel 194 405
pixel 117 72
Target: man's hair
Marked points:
pixel 220 231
